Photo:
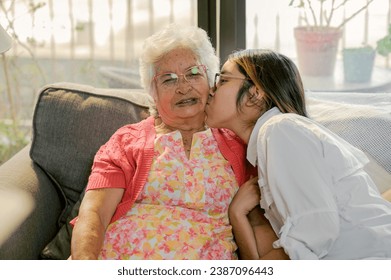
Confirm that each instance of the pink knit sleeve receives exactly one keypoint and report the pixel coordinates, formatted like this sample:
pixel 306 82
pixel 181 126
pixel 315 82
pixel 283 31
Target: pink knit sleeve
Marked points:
pixel 233 149
pixel 111 162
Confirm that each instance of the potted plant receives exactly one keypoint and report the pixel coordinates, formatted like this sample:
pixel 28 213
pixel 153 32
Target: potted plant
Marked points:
pixel 358 62
pixel 317 40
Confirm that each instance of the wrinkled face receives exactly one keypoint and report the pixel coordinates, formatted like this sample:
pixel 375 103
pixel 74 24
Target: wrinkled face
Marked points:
pixel 221 109
pixel 181 86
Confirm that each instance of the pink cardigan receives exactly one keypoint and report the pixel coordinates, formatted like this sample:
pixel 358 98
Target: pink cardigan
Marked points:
pixel 125 160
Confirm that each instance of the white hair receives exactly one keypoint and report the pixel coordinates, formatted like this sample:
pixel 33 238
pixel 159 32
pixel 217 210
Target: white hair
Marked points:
pixel 172 37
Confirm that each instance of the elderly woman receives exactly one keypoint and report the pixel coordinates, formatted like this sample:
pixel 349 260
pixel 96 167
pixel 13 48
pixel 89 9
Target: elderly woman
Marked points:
pixel 160 189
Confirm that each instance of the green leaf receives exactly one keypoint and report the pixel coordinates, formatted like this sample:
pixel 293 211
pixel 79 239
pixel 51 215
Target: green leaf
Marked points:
pixel 384 45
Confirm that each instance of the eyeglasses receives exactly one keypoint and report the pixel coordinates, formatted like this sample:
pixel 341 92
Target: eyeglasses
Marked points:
pixel 193 75
pixel 221 78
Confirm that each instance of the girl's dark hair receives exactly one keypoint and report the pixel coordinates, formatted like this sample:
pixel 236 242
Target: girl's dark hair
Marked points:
pixel 276 75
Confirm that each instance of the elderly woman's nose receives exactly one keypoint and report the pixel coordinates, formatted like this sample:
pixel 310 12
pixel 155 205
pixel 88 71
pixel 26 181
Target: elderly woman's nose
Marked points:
pixel 183 86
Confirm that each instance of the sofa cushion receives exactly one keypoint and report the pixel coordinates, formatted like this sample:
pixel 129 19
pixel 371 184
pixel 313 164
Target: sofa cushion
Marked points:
pixel 362 119
pixel 59 248
pixel 70 123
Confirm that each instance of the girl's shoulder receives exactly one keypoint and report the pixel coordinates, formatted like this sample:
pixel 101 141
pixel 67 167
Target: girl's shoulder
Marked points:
pixel 292 127
pixel 287 121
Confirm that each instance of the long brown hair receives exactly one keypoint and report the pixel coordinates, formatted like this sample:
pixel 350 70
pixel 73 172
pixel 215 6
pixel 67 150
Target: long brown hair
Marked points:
pixel 276 75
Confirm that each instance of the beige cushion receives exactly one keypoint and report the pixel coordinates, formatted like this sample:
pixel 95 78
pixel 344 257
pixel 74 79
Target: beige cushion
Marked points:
pixel 364 120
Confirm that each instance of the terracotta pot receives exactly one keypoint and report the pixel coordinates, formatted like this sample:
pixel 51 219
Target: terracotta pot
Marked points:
pixel 317 50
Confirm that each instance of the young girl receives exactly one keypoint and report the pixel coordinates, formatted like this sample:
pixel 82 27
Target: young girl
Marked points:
pixel 312 186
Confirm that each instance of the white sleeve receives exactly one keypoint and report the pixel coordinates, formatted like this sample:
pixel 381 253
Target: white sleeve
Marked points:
pixel 300 187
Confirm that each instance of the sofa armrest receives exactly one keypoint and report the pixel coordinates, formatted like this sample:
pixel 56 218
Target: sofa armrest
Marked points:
pixel 31 209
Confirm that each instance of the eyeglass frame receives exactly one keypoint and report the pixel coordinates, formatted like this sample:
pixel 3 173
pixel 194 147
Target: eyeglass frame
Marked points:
pixel 227 76
pixel 205 69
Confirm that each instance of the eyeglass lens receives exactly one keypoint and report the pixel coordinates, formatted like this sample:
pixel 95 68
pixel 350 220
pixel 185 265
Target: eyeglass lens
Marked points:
pixel 221 78
pixel 193 75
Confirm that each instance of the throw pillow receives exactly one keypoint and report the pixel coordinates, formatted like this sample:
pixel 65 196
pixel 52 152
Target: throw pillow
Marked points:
pixel 70 123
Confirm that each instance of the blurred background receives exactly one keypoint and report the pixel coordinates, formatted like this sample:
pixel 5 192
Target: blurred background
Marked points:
pixel 97 42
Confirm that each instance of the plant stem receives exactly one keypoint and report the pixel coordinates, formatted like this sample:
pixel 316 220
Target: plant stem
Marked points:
pixel 354 14
pixel 8 90
pixel 312 12
pixel 328 18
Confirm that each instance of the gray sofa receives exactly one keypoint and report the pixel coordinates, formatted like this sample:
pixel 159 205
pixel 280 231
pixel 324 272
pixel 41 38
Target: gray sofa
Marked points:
pixel 41 187
pixel 70 122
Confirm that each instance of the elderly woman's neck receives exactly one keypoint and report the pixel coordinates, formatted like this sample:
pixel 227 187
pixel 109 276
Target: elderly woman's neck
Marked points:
pixel 186 128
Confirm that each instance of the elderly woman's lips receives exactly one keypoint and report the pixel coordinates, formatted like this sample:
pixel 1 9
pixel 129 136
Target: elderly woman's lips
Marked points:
pixel 188 101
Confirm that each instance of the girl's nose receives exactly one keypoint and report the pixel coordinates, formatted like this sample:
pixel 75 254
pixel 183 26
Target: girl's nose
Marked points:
pixel 212 91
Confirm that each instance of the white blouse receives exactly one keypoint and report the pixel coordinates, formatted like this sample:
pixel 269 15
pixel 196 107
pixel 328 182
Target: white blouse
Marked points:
pixel 318 199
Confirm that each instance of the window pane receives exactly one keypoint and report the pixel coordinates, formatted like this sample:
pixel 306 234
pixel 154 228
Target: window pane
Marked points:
pixel 94 42
pixel 272 24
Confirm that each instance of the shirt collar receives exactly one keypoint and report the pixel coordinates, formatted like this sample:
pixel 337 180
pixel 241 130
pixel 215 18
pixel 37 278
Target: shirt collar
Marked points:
pixel 252 143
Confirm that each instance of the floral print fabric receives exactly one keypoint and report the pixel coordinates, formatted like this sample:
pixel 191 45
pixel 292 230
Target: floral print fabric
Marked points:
pixel 182 212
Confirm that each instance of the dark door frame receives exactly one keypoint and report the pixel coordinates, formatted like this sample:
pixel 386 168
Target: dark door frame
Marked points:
pixel 232 33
